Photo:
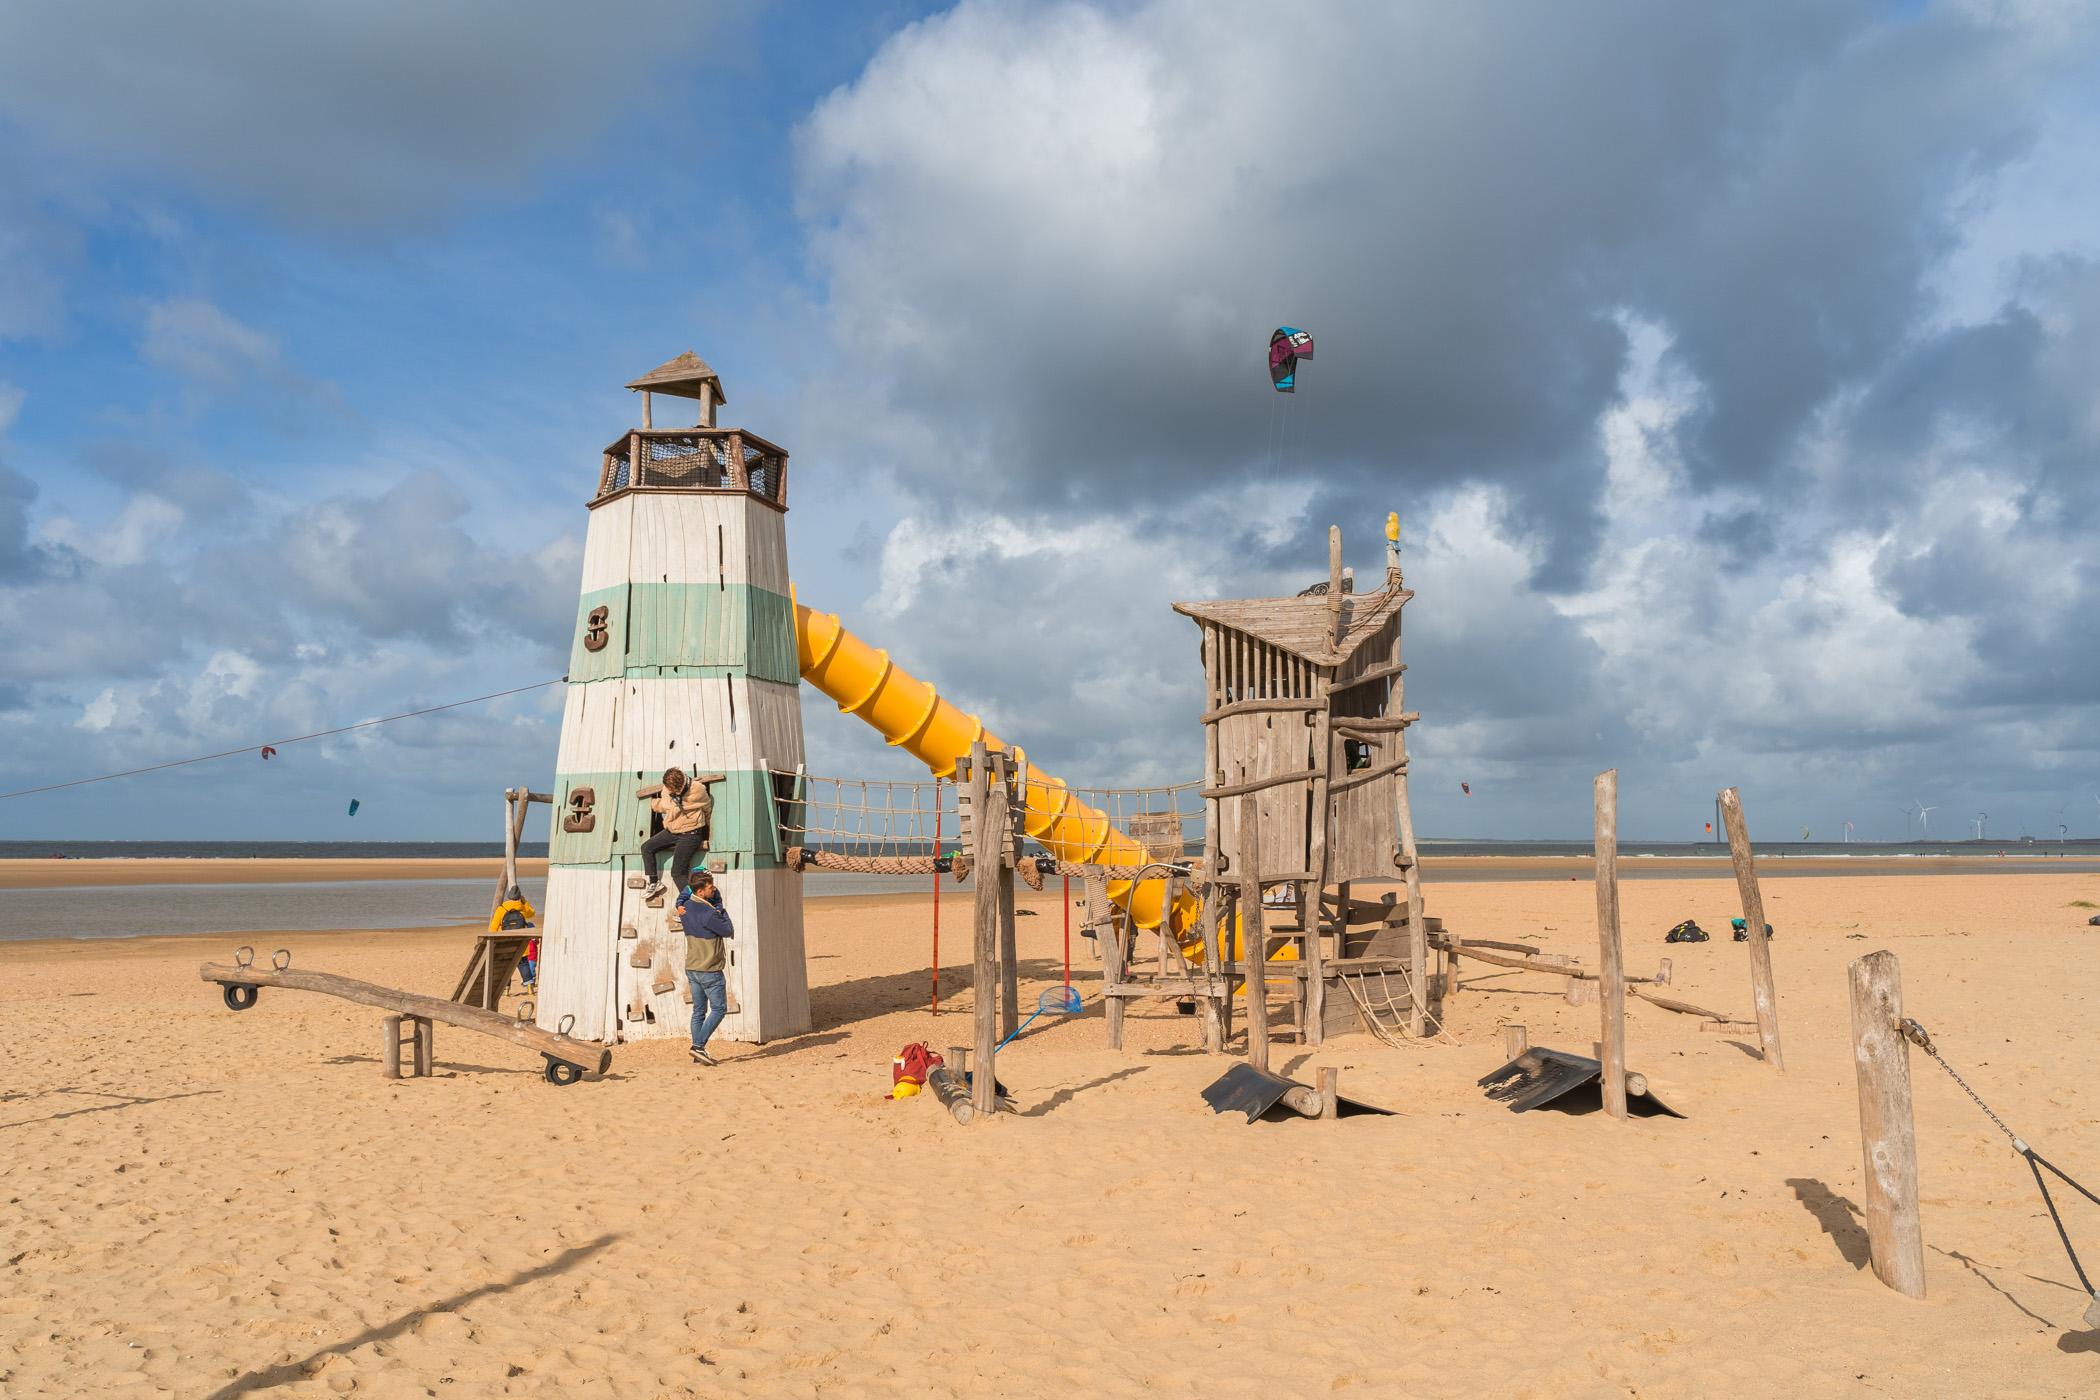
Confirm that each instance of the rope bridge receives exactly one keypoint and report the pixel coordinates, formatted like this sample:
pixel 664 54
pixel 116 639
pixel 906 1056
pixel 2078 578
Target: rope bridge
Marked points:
pixel 885 826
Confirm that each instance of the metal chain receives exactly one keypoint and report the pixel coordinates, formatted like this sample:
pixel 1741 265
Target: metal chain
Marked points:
pixel 1916 1035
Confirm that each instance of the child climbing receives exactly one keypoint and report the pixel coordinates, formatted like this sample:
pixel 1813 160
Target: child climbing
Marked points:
pixel 687 808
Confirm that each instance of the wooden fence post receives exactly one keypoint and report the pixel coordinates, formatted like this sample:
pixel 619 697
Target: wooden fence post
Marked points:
pixel 1887 1131
pixel 1254 943
pixel 1610 974
pixel 1009 850
pixel 988 837
pixel 1761 991
pixel 390 1046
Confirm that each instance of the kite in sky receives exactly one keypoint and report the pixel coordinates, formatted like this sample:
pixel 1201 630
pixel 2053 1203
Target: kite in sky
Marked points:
pixel 1286 347
pixel 353 806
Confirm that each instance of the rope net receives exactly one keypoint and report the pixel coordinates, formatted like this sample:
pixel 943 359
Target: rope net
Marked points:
pixel 884 818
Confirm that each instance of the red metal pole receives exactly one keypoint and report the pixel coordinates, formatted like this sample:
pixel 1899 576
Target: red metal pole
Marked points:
pixel 936 897
pixel 1068 933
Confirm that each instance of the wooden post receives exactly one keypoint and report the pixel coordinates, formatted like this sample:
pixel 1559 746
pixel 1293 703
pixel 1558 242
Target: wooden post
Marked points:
pixel 987 836
pixel 1334 585
pixel 999 810
pixel 1109 938
pixel 1417 925
pixel 1212 1010
pixel 1254 942
pixel 1217 935
pixel 1330 1092
pixel 390 1047
pixel 1761 990
pixel 1515 1041
pixel 426 1049
pixel 647 420
pixel 1609 971
pixel 1887 1131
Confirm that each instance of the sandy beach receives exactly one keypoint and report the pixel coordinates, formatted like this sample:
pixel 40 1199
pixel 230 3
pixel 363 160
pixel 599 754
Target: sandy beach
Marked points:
pixel 204 1203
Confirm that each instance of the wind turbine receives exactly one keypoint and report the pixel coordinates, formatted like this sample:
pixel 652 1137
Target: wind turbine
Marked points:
pixel 1848 833
pixel 1981 819
pixel 1908 813
pixel 1925 821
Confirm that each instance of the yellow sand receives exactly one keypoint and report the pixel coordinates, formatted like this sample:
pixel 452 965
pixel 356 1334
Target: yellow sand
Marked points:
pixel 201 1203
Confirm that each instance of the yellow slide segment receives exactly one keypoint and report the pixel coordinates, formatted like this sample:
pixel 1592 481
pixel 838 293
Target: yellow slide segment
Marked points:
pixel 911 715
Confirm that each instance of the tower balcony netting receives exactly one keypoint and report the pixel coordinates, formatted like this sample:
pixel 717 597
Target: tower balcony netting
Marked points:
pixel 695 459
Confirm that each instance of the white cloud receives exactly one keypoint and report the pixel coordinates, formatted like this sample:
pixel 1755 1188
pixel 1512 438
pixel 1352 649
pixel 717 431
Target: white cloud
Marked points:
pixel 195 339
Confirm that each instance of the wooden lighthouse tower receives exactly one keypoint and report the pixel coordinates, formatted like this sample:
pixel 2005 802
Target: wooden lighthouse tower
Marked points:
pixel 684 657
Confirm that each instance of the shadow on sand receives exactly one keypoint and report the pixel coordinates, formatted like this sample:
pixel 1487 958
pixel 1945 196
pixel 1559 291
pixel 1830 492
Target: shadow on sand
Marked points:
pixel 290 1371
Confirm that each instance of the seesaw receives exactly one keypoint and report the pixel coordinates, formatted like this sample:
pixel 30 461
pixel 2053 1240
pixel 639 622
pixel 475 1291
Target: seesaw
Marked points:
pixel 568 1059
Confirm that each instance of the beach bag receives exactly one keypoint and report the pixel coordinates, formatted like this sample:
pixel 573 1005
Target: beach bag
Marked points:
pixel 1686 932
pixel 913 1063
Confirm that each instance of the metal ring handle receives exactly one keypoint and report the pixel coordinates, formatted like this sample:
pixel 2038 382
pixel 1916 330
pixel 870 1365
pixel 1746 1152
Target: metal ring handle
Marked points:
pixel 527 1009
pixel 281 959
pixel 565 1024
pixel 243 955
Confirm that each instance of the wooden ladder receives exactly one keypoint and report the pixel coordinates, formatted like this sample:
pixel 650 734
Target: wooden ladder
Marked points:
pixel 489 969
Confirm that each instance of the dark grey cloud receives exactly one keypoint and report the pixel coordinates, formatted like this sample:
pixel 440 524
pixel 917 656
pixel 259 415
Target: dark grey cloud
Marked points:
pixel 1641 315
pixel 335 116
pixel 1066 261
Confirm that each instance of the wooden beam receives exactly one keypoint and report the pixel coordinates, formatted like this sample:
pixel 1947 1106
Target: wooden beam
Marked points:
pixel 1608 961
pixel 1283 705
pixel 1762 993
pixel 583 1053
pixel 1334 587
pixel 1251 785
pixel 986 838
pixel 1887 1131
pixel 1009 959
pixel 1254 941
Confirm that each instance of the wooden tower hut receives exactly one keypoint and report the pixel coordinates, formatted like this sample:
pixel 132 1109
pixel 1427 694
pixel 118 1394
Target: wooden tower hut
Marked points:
pixel 1303 709
pixel 684 657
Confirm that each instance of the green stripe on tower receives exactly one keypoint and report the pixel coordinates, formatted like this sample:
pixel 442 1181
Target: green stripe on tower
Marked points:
pixel 685 629
pixel 743 828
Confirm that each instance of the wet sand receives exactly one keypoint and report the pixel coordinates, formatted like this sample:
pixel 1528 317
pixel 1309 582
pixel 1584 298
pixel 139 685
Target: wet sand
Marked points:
pixel 209 1203
pixel 64 874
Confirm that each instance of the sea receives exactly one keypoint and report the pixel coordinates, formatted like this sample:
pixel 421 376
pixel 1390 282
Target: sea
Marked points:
pixel 133 911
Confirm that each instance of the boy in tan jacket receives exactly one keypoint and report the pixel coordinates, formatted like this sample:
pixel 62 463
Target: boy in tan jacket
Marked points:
pixel 687 809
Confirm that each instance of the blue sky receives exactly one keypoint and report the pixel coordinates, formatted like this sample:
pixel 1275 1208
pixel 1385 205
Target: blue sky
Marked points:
pixel 1733 372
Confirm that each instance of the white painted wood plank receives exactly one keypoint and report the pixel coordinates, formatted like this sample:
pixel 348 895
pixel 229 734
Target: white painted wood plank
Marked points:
pixel 590 728
pixel 776 723
pixel 576 935
pixel 606 542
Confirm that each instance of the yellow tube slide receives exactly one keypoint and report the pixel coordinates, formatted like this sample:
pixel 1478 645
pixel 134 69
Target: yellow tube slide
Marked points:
pixel 911 715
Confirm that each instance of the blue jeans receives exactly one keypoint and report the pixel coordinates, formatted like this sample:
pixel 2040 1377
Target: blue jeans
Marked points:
pixel 710 1001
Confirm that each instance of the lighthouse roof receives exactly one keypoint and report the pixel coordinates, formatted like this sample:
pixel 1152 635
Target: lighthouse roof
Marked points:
pixel 681 377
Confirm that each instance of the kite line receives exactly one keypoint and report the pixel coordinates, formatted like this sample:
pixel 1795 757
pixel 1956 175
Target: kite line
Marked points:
pixel 275 743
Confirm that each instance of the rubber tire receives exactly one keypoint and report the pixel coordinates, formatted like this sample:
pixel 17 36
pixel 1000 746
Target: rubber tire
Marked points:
pixel 562 1072
pixel 239 996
